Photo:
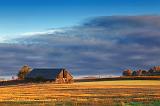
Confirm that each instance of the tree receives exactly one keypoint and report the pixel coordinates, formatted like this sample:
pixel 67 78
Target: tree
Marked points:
pixel 139 72
pixel 150 70
pixel 156 68
pixel 134 73
pixel 127 72
pixel 23 72
pixel 144 72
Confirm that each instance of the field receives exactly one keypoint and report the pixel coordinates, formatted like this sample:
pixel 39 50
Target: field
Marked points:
pixel 100 93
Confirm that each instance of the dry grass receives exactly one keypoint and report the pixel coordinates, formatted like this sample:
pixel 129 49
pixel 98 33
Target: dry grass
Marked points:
pixel 81 93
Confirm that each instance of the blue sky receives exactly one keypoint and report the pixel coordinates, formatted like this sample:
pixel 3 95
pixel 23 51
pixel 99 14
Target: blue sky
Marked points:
pixel 85 36
pixel 19 16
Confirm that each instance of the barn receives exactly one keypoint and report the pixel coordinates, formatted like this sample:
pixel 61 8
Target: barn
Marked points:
pixel 60 75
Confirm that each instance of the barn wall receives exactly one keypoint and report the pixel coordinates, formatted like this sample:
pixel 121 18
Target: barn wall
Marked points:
pixel 59 78
pixel 64 77
pixel 68 77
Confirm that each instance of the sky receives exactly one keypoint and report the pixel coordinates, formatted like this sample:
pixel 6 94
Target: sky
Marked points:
pixel 85 36
pixel 20 16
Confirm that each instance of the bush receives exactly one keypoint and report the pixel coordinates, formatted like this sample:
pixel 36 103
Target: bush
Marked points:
pixel 23 72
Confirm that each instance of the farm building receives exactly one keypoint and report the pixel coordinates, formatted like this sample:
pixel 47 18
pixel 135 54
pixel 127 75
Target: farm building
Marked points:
pixel 44 74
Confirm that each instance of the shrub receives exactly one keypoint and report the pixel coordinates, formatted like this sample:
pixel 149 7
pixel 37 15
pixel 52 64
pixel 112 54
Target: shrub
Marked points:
pixel 23 72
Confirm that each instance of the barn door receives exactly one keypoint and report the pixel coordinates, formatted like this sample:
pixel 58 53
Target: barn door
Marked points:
pixel 65 76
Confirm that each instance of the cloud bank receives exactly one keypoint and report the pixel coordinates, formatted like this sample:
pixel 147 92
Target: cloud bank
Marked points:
pixel 101 45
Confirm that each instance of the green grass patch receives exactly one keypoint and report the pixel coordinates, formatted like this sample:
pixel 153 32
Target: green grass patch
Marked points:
pixel 153 103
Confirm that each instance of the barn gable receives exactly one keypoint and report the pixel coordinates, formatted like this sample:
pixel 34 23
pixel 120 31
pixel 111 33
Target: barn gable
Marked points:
pixel 48 74
pixel 58 75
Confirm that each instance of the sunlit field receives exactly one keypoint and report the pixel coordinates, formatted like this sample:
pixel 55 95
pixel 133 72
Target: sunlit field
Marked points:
pixel 100 93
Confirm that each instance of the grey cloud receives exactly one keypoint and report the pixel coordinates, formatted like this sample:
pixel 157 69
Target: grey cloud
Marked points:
pixel 102 45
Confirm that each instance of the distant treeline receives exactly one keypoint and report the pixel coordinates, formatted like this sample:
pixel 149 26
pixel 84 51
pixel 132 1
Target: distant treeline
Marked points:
pixel 119 78
pixel 154 71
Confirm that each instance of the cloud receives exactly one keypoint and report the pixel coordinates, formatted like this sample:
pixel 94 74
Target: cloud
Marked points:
pixel 101 45
pixel 2 39
pixel 51 31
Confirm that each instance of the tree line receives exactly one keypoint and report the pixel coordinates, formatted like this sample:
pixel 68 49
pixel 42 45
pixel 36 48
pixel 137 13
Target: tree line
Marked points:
pixel 154 71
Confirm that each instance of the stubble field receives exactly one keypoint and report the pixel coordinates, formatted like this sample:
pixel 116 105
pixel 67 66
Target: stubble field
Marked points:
pixel 100 93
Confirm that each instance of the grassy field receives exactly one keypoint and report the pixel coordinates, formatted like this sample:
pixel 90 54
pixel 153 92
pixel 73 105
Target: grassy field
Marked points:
pixel 100 93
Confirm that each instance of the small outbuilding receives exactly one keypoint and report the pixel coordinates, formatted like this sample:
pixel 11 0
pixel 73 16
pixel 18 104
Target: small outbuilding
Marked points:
pixel 50 74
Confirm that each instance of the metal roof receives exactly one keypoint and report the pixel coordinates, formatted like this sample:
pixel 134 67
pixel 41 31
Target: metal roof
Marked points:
pixel 44 73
